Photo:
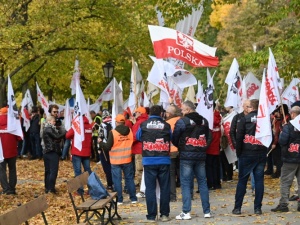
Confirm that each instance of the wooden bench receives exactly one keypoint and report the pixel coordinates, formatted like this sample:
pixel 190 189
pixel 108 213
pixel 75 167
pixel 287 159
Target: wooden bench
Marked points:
pixel 88 206
pixel 25 212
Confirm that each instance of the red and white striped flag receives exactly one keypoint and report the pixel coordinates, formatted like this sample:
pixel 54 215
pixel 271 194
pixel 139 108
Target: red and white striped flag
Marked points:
pixel 263 124
pixel 13 120
pixel 171 43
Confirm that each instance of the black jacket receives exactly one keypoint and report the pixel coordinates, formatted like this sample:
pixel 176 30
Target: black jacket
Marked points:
pixel 246 143
pixel 233 127
pixel 192 137
pixel 289 139
pixel 50 137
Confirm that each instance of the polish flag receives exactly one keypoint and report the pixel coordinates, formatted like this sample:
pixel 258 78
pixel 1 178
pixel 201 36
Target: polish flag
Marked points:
pixel 171 43
pixel 263 125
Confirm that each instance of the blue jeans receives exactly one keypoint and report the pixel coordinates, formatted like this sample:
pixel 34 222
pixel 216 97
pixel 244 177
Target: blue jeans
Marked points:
pixel 77 161
pixel 189 168
pixel 66 148
pixel 162 174
pixel 247 164
pixel 127 169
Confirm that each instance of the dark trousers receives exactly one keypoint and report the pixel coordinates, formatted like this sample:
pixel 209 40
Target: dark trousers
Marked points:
pixel 105 162
pixel 51 163
pixel 270 163
pixel 94 150
pixel 8 185
pixel 173 179
pixel 227 168
pixel 213 171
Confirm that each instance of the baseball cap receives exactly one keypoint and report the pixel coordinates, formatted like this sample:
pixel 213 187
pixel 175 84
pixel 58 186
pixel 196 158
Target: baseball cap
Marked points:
pixel 120 118
pixel 141 110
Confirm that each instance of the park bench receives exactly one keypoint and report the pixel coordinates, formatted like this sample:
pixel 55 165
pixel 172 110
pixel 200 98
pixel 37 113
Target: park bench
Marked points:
pixel 83 205
pixel 25 212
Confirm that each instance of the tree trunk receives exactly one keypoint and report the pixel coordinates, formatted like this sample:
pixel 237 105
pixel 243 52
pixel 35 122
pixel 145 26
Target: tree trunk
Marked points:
pixel 3 93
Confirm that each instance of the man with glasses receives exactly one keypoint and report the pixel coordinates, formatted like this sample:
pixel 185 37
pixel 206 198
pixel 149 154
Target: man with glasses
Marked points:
pixel 192 137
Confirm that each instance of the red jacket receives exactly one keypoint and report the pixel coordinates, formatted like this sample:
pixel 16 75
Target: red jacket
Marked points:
pixel 137 145
pixel 86 144
pixel 214 147
pixel 9 141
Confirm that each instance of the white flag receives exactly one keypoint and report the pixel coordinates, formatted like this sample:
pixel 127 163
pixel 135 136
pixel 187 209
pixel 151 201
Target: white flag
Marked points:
pixel 107 94
pixel 75 77
pixel 135 79
pixel 252 85
pixel 80 108
pixel 67 116
pixel 42 99
pixel 117 107
pixel 152 90
pixel 273 82
pixel 229 151
pixel 26 106
pixel 291 93
pixel 190 95
pixel 296 122
pixel 263 125
pixel 234 82
pixel 13 120
pixel 1 152
pixel 205 106
pixel 200 92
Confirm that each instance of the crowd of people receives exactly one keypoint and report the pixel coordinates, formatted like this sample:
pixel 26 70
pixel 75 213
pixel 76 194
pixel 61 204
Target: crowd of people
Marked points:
pixel 170 147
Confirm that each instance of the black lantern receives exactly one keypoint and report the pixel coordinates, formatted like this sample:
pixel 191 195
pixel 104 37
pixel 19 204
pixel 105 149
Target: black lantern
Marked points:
pixel 108 70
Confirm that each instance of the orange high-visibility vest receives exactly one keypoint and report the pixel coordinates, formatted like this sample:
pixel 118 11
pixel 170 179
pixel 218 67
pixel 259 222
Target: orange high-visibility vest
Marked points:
pixel 120 152
pixel 172 122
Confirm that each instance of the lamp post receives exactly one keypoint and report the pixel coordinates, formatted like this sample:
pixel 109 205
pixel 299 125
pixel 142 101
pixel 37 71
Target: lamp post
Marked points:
pixel 108 70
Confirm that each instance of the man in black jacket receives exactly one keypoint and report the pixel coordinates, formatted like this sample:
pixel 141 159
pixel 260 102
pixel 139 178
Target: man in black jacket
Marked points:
pixel 289 140
pixel 252 156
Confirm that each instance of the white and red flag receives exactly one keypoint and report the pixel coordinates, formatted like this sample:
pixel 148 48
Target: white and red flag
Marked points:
pixel 263 132
pixel 273 83
pixel 13 119
pixel 230 150
pixel 199 92
pixel 1 152
pixel 135 80
pixel 107 94
pixel 42 99
pixel 171 43
pixel 234 81
pixel 75 77
pixel 291 93
pixel 205 106
pixel 252 85
pixel 26 106
pixel 80 108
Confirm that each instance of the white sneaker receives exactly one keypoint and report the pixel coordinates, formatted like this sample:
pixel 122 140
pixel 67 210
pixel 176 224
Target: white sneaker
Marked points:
pixel 183 216
pixel 133 202
pixel 120 203
pixel 140 195
pixel 98 163
pixel 207 215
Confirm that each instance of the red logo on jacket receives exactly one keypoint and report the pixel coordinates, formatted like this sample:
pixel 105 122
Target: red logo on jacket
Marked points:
pixel 201 142
pixel 249 139
pixel 158 145
pixel 294 148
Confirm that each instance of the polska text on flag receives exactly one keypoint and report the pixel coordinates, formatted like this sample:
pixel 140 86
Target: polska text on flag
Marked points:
pixel 171 43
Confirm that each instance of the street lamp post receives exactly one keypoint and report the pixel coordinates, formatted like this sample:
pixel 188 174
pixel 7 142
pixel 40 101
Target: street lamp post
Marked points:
pixel 108 70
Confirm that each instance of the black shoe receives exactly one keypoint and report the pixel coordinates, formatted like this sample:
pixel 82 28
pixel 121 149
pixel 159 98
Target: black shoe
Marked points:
pixel 294 198
pixel 257 211
pixel 283 207
pixel 268 172
pixel 218 187
pixel 33 158
pixel 275 175
pixel 53 191
pixel 298 209
pixel 110 188
pixel 236 211
pixel 211 188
